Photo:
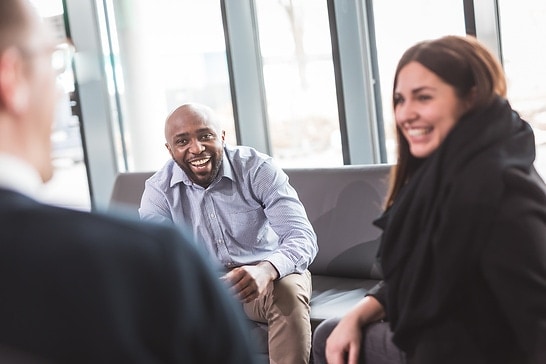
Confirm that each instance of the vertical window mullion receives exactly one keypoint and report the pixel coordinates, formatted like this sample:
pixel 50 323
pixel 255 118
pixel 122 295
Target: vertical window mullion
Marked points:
pixel 355 80
pixel 245 73
pixel 486 15
pixel 93 93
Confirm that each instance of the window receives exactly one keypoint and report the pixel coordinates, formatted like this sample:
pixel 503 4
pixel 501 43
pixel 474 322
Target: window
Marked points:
pixel 523 31
pixel 168 53
pixel 399 24
pixel 299 82
pixel 69 186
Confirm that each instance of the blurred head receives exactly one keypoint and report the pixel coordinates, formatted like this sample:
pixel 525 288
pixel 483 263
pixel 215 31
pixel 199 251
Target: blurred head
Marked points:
pixel 425 108
pixel 436 83
pixel 28 88
pixel 454 72
pixel 195 141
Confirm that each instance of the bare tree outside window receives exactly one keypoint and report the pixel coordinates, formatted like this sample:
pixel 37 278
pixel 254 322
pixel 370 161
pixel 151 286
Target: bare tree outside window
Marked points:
pixel 299 82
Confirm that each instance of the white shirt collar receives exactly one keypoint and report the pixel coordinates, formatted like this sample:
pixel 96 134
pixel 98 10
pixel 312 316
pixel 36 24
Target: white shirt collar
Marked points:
pixel 18 175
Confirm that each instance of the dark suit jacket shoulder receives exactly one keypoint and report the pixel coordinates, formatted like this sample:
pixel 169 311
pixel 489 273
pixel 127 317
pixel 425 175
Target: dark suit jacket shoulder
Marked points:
pixel 82 287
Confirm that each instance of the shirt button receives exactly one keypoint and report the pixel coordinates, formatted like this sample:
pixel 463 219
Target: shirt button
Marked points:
pixel 212 216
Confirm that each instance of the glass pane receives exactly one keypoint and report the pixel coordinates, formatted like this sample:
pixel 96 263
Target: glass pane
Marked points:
pixel 523 31
pixel 399 24
pixel 299 82
pixel 168 53
pixel 69 186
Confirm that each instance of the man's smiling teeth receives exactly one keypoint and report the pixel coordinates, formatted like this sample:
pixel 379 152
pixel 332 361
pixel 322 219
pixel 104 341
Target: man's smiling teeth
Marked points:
pixel 415 132
pixel 199 162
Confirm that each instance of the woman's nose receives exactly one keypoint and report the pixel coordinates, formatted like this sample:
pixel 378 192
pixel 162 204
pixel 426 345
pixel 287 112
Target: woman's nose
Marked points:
pixel 405 113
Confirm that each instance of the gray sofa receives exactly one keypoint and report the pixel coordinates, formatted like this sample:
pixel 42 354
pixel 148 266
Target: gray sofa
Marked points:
pixel 341 203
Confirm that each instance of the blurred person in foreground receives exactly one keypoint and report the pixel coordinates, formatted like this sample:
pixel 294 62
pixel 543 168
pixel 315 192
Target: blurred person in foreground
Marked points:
pixel 77 287
pixel 248 217
pixel 464 232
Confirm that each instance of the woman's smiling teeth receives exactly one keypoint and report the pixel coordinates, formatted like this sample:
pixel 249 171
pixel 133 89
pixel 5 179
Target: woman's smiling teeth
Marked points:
pixel 416 132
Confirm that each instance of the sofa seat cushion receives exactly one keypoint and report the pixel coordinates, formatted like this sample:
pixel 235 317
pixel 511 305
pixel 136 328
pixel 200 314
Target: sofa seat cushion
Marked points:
pixel 334 296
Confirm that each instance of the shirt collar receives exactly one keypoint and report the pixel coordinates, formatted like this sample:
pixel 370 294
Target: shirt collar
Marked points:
pixel 179 176
pixel 18 175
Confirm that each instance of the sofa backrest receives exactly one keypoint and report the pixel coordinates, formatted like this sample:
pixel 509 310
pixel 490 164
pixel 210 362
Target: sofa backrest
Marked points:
pixel 341 203
pixel 127 191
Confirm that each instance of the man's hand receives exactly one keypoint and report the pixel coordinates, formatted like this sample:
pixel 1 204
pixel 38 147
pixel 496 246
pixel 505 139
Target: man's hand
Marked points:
pixel 250 281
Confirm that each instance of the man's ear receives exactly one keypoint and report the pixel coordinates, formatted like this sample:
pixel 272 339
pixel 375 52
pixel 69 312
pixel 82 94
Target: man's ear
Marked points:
pixel 169 149
pixel 14 95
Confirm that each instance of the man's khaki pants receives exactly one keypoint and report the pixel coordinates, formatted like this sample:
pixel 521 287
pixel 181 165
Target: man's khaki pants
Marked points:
pixel 285 308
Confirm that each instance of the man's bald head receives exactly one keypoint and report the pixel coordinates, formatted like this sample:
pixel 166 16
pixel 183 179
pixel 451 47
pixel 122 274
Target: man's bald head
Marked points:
pixel 192 111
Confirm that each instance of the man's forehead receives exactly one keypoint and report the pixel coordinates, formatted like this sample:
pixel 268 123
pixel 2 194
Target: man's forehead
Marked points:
pixel 188 119
pixel 187 132
pixel 193 120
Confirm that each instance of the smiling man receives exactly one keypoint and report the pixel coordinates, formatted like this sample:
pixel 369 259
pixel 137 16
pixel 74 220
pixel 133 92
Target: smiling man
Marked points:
pixel 201 160
pixel 240 206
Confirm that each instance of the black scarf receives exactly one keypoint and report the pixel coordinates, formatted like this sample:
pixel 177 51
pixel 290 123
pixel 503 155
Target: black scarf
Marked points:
pixel 436 228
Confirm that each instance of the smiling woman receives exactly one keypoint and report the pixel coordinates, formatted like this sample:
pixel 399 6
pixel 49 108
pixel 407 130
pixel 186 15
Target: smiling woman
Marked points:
pixel 446 78
pixel 425 108
pixel 464 225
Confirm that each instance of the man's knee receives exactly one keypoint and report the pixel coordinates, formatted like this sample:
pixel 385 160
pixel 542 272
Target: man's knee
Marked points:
pixel 292 293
